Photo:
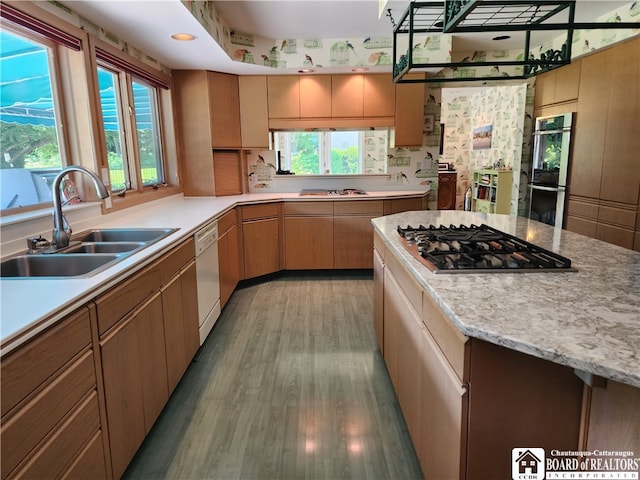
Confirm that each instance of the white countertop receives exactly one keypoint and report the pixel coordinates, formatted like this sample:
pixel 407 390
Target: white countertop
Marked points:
pixel 27 306
pixel 588 320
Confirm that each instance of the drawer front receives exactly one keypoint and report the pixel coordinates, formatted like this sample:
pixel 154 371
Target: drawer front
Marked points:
pixel 53 457
pixel 29 366
pixel 450 340
pixel 582 226
pixel 125 297
pixel 263 210
pixel 226 221
pixel 623 237
pixel 358 207
pixel 378 245
pixel 300 209
pixel 410 287
pixel 90 463
pixel 584 209
pixel 24 430
pixel 177 258
pixel 625 217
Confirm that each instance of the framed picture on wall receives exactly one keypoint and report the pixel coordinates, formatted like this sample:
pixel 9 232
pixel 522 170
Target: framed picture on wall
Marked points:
pixel 429 123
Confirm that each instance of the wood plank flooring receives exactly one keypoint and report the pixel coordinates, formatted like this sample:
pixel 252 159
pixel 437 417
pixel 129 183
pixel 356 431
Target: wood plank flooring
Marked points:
pixel 290 384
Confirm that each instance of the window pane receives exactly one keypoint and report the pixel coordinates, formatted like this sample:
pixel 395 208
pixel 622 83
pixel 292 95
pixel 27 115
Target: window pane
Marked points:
pixel 112 118
pixel 305 152
pixel 29 136
pixel 148 128
pixel 345 152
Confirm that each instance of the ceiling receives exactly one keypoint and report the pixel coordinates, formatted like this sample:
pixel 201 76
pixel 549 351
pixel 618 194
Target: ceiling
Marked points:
pixel 147 25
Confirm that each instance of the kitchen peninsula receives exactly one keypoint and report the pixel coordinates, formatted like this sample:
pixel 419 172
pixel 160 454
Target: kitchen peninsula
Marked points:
pixel 493 362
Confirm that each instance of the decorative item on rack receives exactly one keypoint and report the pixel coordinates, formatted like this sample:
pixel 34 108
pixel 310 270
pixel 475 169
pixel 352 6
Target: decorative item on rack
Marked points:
pixel 426 23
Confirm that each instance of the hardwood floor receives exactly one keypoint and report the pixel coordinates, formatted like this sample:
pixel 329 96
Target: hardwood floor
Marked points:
pixel 290 384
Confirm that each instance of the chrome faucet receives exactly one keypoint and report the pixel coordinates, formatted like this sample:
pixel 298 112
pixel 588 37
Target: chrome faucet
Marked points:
pixel 61 230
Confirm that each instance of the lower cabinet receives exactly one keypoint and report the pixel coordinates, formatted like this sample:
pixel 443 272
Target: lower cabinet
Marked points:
pixel 135 379
pixel 51 423
pixel 308 235
pixel 261 239
pixel 447 191
pixel 399 205
pixel 353 233
pixel 467 402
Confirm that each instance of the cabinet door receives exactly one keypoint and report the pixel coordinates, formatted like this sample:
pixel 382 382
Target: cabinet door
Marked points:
pixel 409 114
pixel 392 306
pixel 347 96
pixel 545 88
pixel 378 299
pixel 399 205
pixel 567 82
pixel 254 111
pixel 224 109
pixel 447 191
pixel 308 242
pixel 227 172
pixel 444 408
pixel 283 92
pixel 379 96
pixel 261 247
pixel 621 167
pixel 180 314
pixel 590 127
pixel 353 241
pixel 315 96
pixel 229 263
pixel 135 379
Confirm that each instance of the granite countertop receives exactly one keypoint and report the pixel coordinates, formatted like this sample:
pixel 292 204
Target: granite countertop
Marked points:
pixel 588 320
pixel 22 317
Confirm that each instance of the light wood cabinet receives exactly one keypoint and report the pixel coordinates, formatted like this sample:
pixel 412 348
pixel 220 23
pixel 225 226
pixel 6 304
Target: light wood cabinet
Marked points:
pixel 379 96
pixel 491 191
pixel 353 232
pixel 228 173
pixel 50 405
pixel 558 85
pixel 283 93
pixel 347 93
pixel 261 239
pixel 254 111
pixel 409 114
pixel 315 96
pixel 399 205
pixel 463 398
pixel 228 255
pixel 378 295
pixel 308 235
pixel 207 108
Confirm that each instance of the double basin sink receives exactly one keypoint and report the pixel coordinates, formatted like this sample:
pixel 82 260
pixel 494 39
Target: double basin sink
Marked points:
pixel 87 254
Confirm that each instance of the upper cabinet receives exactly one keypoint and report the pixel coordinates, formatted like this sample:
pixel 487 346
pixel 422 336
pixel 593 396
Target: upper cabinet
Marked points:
pixel 254 111
pixel 224 105
pixel 409 114
pixel 559 85
pixel 325 101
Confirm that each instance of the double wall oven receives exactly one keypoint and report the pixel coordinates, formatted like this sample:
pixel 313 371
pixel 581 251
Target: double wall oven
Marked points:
pixel 551 158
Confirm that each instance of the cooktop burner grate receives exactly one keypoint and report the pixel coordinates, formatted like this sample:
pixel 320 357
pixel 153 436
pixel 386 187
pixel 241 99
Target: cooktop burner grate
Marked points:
pixel 478 249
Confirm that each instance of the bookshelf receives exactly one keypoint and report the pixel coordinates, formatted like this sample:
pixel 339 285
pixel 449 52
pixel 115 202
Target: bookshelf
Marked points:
pixel 492 191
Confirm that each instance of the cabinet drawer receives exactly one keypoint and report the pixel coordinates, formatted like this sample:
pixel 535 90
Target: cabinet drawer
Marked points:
pixel 308 208
pixel 409 286
pixel 24 430
pixel 450 340
pixel 29 366
pixel 582 226
pixel 177 258
pixel 378 245
pixel 623 237
pixel 264 210
pixel 358 207
pixel 61 448
pixel 226 221
pixel 122 299
pixel 90 462
pixel 625 217
pixel 584 209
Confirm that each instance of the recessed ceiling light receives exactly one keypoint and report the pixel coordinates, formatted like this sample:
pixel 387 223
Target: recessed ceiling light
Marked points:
pixel 439 24
pixel 501 37
pixel 183 37
pixel 306 70
pixel 361 69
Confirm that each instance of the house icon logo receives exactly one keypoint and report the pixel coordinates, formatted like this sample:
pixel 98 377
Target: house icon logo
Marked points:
pixel 527 464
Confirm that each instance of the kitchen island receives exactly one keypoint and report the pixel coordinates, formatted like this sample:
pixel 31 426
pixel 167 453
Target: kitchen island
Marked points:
pixel 490 362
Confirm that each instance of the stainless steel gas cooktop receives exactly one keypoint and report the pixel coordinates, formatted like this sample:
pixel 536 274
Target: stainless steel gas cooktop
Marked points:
pixel 478 249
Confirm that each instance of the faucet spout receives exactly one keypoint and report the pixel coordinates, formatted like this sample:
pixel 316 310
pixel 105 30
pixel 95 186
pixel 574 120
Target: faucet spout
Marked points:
pixel 60 235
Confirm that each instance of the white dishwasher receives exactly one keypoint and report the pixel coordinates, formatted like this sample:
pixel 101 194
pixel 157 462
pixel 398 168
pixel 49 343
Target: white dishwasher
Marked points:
pixel 208 276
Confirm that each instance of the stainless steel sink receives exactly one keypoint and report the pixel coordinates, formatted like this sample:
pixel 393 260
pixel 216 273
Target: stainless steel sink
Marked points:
pixel 56 265
pixel 125 235
pixel 104 247
pixel 89 253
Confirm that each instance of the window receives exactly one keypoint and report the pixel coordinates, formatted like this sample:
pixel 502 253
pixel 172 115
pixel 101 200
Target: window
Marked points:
pixel 345 152
pixel 29 118
pixel 130 106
